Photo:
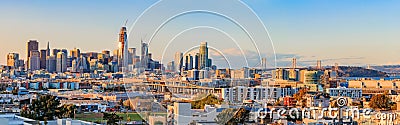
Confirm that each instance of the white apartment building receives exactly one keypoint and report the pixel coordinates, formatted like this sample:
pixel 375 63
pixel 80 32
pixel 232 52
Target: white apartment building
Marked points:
pixel 239 94
pixel 182 114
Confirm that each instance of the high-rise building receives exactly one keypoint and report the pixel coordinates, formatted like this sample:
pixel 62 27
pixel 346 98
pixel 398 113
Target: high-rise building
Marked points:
pixel 144 55
pixel 171 66
pixel 188 62
pixel 209 63
pixel 178 61
pixel 203 55
pixel 131 55
pixel 48 49
pixel 75 53
pixel 61 62
pixel 43 55
pixel 34 60
pixel 106 53
pixel 65 51
pixel 55 51
pixel 13 60
pixel 32 45
pixel 122 48
pixel 196 61
pixel 51 64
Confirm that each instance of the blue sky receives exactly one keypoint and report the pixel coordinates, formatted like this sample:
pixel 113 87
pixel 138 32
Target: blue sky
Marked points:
pixel 350 32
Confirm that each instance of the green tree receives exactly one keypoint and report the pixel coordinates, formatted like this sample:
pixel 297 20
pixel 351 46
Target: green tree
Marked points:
pixel 380 101
pixel 111 118
pixel 66 111
pixel 209 100
pixel 45 106
pixel 233 116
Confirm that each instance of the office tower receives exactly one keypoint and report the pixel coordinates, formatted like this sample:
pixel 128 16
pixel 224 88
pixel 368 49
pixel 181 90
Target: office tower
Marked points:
pixel 106 53
pixel 171 66
pixel 43 55
pixel 69 61
pixel 61 62
pixel 32 45
pixel 196 61
pixel 131 55
pixel 75 53
pixel 74 66
pixel 65 51
pixel 136 61
pixel 203 55
pixel 13 60
pixel 21 63
pixel 209 63
pixel 34 60
pixel 48 49
pixel 55 51
pixel 319 66
pixel 144 55
pixel 122 47
pixel 178 61
pixel 51 64
pixel 188 62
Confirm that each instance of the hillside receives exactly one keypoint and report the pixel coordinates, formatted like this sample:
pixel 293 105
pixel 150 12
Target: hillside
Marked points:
pixel 348 71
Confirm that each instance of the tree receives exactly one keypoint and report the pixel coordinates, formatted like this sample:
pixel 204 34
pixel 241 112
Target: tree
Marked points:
pixel 46 106
pixel 66 111
pixel 380 101
pixel 232 116
pixel 111 118
pixel 209 100
pixel 241 116
pixel 224 118
pixel 299 96
pixel 127 104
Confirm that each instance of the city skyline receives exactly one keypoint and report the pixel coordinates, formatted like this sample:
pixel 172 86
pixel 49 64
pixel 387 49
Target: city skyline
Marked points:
pixel 367 27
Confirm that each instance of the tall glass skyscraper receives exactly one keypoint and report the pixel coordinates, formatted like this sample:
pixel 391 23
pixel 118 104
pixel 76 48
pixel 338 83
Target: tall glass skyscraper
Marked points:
pixel 203 53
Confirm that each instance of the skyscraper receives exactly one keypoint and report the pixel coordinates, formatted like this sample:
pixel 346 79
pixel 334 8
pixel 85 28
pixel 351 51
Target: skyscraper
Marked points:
pixel 34 60
pixel 32 45
pixel 203 51
pixel 196 61
pixel 51 64
pixel 122 48
pixel 13 60
pixel 55 51
pixel 188 62
pixel 48 49
pixel 75 53
pixel 144 55
pixel 178 61
pixel 43 55
pixel 61 62
pixel 131 55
